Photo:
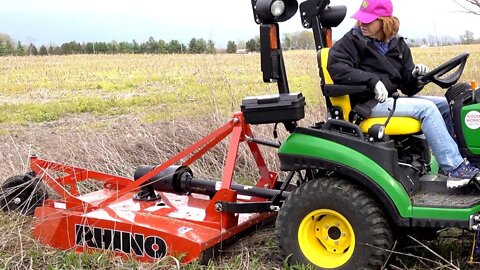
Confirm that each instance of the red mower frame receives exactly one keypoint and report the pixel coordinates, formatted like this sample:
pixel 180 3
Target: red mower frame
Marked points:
pixel 190 226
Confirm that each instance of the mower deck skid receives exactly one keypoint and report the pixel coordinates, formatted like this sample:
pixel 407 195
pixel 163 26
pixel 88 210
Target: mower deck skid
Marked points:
pixel 187 225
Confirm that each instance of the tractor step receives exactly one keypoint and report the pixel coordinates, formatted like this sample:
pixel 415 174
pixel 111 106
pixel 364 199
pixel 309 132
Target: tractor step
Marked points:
pixel 455 199
pixel 438 184
pixel 434 193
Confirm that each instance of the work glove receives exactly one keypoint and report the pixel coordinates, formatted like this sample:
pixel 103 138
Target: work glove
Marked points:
pixel 420 70
pixel 381 92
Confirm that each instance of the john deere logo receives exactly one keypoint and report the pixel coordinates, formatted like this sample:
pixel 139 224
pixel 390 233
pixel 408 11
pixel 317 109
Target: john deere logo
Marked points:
pixel 364 4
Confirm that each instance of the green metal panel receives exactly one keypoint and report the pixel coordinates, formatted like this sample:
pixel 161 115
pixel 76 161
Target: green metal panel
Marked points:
pixel 445 213
pixel 470 116
pixel 311 146
pixel 433 166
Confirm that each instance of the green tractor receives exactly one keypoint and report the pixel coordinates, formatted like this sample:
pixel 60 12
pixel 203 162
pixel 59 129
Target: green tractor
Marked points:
pixel 361 184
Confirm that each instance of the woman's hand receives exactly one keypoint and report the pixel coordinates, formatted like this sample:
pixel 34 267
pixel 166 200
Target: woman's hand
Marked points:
pixel 381 92
pixel 420 70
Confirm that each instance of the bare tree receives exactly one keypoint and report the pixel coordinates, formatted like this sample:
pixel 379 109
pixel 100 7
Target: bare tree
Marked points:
pixel 432 40
pixel 467 38
pixel 469 6
pixel 447 40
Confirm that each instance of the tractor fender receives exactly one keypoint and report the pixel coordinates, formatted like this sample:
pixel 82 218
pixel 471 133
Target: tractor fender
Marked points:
pixel 303 151
pixel 360 179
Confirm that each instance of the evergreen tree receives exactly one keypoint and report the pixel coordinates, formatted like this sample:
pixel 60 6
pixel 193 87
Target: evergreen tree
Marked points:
pixel 175 47
pixel 32 50
pixel 124 47
pixel 253 45
pixel 162 47
pixel 192 46
pixel 197 45
pixel 101 47
pixel 287 42
pixel 135 48
pixel 211 47
pixel 6 44
pixel 43 50
pixel 20 49
pixel 202 45
pixel 112 47
pixel 4 48
pixel 151 46
pixel 72 47
pixel 231 47
pixel 142 48
pixel 57 50
pixel 51 50
pixel 90 48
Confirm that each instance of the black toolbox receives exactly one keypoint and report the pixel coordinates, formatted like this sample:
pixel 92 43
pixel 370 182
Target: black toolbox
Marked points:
pixel 274 108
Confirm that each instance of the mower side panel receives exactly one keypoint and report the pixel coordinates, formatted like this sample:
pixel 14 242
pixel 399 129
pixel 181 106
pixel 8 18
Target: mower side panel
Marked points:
pixel 148 231
pixel 318 148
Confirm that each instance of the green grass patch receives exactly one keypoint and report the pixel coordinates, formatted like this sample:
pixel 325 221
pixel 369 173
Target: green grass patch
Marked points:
pixel 162 87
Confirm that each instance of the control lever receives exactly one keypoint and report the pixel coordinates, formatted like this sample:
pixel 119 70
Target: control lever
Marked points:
pixel 395 96
pixel 377 131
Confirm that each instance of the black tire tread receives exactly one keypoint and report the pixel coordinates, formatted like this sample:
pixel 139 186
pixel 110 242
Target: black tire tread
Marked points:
pixel 360 200
pixel 29 186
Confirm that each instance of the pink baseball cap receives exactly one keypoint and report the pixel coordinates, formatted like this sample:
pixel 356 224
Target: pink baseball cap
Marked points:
pixel 370 10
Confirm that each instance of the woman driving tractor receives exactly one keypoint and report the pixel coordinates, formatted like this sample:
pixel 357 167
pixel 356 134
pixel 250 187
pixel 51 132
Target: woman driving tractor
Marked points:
pixel 373 54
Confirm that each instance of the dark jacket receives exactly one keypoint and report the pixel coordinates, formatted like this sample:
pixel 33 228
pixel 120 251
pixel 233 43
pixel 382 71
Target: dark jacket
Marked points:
pixel 354 60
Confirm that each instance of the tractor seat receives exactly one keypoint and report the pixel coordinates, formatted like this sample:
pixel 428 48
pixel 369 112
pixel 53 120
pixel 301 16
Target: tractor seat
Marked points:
pixel 342 106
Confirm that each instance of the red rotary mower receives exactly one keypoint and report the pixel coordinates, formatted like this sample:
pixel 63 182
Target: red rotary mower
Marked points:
pixel 163 211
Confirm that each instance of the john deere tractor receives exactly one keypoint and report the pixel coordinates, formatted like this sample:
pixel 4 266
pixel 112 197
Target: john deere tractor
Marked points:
pixel 363 180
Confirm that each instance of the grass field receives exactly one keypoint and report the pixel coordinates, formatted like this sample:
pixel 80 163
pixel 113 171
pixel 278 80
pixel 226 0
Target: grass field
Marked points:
pixel 39 89
pixel 113 112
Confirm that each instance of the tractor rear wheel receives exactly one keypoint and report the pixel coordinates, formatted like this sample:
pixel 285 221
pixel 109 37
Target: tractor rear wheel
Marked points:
pixel 22 193
pixel 330 223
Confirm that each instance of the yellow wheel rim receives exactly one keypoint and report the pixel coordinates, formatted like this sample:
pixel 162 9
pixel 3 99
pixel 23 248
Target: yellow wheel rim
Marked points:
pixel 326 238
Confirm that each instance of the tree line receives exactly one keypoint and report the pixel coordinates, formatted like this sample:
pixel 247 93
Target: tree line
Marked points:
pixel 302 40
pixel 151 46
pixel 466 38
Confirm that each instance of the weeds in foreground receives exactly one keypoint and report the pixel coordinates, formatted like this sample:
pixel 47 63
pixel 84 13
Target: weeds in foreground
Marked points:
pixel 118 146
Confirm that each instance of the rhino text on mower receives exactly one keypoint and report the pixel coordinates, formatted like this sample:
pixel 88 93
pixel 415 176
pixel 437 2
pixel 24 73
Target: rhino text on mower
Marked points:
pixel 357 185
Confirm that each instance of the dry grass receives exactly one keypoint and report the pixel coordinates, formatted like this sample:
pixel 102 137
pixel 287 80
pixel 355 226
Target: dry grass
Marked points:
pixel 194 95
pixel 435 56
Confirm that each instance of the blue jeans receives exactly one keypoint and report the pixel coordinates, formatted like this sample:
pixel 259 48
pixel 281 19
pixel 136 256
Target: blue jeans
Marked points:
pixel 437 125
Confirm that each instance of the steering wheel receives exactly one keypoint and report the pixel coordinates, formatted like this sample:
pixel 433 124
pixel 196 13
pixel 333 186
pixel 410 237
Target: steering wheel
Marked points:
pixel 436 74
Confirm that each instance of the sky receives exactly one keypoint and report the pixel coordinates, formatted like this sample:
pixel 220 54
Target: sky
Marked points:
pixel 58 21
